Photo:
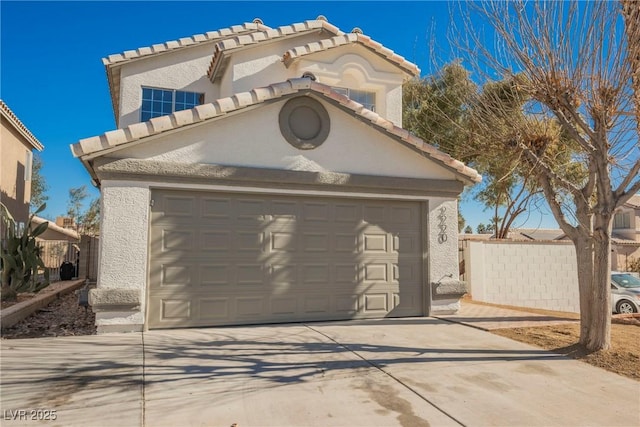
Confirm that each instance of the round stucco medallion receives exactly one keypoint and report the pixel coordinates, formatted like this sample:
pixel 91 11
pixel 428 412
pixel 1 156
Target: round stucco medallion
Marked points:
pixel 304 123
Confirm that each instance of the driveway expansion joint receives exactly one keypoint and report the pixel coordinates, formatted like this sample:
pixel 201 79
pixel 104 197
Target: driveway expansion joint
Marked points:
pixel 390 375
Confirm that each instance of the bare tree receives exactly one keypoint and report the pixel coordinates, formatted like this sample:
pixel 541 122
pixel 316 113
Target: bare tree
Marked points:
pixel 573 63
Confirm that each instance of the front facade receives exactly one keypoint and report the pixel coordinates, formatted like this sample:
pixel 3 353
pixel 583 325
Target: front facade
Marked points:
pixel 260 175
pixel 16 151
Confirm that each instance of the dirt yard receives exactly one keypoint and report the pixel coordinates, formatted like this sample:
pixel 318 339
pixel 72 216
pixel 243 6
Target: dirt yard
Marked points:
pixel 623 358
pixel 63 317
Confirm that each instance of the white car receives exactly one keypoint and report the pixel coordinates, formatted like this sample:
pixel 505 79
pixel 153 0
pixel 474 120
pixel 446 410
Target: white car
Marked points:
pixel 625 293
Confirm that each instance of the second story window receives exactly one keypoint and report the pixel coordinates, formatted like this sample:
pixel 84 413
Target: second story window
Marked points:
pixel 160 102
pixel 367 99
pixel 622 220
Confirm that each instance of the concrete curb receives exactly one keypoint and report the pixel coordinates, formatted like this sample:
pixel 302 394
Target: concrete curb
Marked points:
pixel 12 315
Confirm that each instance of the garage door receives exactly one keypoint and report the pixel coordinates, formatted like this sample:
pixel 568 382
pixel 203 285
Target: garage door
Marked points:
pixel 228 259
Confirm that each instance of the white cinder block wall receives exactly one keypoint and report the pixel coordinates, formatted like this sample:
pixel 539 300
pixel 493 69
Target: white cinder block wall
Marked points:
pixel 524 274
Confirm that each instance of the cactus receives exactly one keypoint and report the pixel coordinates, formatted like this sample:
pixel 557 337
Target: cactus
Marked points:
pixel 21 259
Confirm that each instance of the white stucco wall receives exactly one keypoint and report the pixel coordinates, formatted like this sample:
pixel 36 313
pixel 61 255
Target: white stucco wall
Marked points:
pixel 355 67
pixel 125 234
pixel 258 66
pixel 261 65
pixel 184 69
pixel 443 250
pixel 352 147
pixel 524 274
pixel 123 246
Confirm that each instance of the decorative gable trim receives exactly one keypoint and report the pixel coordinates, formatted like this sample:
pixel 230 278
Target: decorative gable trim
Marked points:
pixel 348 39
pixel 96 146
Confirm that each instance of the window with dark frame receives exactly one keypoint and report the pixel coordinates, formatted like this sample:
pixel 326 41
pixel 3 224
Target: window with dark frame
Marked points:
pixel 160 102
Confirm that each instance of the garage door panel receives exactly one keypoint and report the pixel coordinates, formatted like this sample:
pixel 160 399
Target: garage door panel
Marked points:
pixel 176 275
pixel 179 206
pixel 215 241
pixel 347 212
pixel 315 274
pixel 313 212
pixel 218 208
pixel 316 304
pixel 284 306
pixel 283 242
pixel 346 304
pixel 178 240
pixel 315 242
pixel 376 302
pixel 215 275
pixel 346 243
pixel 213 309
pixel 375 272
pixel 176 309
pixel 242 259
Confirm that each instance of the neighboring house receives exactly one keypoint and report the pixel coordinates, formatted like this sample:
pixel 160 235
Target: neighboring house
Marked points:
pixel 16 153
pixel 57 245
pixel 55 232
pixel 626 233
pixel 261 175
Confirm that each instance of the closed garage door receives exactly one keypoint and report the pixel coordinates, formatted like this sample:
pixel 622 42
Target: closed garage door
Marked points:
pixel 227 259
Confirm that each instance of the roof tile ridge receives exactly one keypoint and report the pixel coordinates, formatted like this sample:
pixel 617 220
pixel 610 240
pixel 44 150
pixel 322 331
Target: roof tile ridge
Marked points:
pixel 221 33
pixel 13 118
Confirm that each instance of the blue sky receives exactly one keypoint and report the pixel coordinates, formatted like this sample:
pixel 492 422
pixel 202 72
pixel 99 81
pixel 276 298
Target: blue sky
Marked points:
pixel 52 75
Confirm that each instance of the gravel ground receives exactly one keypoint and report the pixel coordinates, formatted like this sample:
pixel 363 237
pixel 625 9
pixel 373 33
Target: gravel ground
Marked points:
pixel 63 317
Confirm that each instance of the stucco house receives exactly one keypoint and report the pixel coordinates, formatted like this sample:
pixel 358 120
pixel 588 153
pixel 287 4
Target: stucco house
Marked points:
pixel 16 151
pixel 626 233
pixel 261 175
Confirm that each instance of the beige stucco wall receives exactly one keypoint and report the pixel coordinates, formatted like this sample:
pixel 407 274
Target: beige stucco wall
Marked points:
pixel 15 192
pixel 351 147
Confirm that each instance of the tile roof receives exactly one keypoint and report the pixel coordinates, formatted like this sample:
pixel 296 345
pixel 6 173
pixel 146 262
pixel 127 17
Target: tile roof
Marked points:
pixel 112 63
pixel 352 38
pixel 196 39
pixel 56 228
pixel 120 137
pixel 634 201
pixel 10 116
pixel 224 46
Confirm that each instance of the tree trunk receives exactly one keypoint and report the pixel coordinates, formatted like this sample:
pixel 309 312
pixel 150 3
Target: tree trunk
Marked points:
pixel 599 337
pixel 594 269
pixel 584 256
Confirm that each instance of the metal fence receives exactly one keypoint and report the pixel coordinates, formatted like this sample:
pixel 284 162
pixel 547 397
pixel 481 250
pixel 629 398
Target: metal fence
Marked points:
pixel 55 252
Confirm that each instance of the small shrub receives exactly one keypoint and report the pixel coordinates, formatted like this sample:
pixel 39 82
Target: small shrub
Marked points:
pixel 21 259
pixel 634 265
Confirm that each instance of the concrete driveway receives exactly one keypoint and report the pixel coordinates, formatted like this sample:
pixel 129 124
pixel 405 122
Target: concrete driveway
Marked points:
pixel 400 372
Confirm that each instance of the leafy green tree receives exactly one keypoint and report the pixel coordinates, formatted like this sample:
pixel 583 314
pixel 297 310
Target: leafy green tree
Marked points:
pixel 87 221
pixel 468 230
pixel 39 186
pixel 445 108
